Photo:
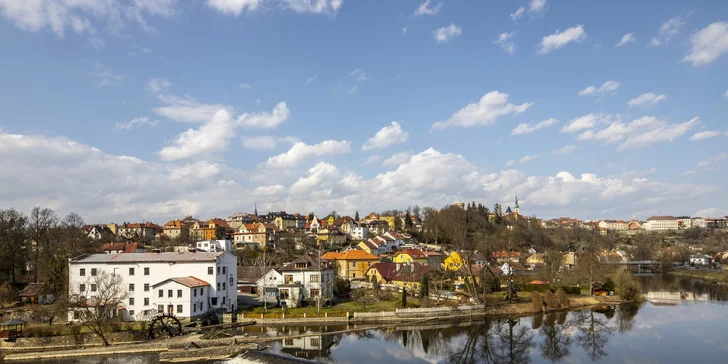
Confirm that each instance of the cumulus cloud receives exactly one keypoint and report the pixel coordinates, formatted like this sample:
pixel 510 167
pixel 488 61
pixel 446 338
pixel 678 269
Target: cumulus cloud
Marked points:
pixel 233 7
pixel 518 14
pixel 318 178
pixel 708 44
pixel 396 159
pixel 144 120
pixel 639 133
pixel 327 7
pixel 425 9
pixel 491 106
pixel 565 150
pixel 385 137
pixel 709 163
pixel 524 128
pixel 646 99
pixel 186 109
pixel 446 34
pixel 155 85
pixel 535 8
pixel 626 39
pixel 265 142
pixel 523 160
pixel 707 134
pixel 212 136
pixel 265 120
pixel 584 122
pixel 372 159
pixel 606 87
pixel 504 39
pixel 560 39
pixel 668 29
pixel 245 86
pixel 301 151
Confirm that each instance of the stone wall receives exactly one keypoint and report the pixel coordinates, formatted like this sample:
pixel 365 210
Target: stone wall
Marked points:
pixel 70 341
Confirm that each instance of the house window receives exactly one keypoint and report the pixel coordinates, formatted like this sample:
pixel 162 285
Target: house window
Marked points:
pixel 160 309
pixel 218 270
pixel 131 313
pixel 93 288
pixel 131 301
pixel 146 287
pixel 194 307
pixel 284 294
pixel 82 288
pixel 146 301
pixel 93 272
pixel 161 293
pixel 353 264
pixel 314 278
pixel 179 293
pixel 213 301
pixel 131 287
pixel 169 293
pixel 300 265
pixel 179 308
pixel 315 342
pixel 82 272
pixel 146 271
pixel 76 315
pixel 223 300
pixel 209 270
pixel 289 342
pixel 224 287
pixel 224 270
pixel 314 292
pixel 218 286
pixel 288 278
pixel 194 292
pixel 131 271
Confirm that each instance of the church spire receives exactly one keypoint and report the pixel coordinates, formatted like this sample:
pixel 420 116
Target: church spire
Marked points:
pixel 517 210
pixel 256 209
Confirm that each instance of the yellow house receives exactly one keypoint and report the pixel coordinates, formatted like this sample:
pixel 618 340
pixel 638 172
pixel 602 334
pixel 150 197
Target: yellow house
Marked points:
pixel 368 247
pixel 331 236
pixel 410 256
pixel 535 260
pixel 455 260
pixel 352 264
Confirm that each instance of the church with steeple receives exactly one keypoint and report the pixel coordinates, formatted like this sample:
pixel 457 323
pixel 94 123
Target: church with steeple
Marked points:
pixel 515 213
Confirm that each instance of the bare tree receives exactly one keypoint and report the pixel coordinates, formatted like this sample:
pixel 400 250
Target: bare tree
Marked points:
pixel 40 224
pixel 95 302
pixel 12 240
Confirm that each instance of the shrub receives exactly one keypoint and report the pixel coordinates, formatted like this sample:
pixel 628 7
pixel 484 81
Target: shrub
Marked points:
pixel 551 300
pixel 537 301
pixel 571 290
pixel 128 326
pixel 608 284
pixel 115 326
pixel 561 297
pixel 627 286
pixel 38 331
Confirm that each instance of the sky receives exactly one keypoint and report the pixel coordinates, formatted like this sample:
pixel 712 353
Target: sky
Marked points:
pixel 142 110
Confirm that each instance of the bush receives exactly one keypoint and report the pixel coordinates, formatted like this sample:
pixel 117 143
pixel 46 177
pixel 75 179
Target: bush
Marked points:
pixel 561 297
pixel 608 284
pixel 537 301
pixel 115 326
pixel 551 300
pixel 38 331
pixel 128 326
pixel 627 286
pixel 571 290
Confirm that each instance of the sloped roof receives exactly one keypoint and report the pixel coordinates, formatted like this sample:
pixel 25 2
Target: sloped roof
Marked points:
pixel 370 244
pixel 32 290
pixel 402 272
pixel 349 255
pixel 148 257
pixel 191 282
pixel 414 253
pixel 124 247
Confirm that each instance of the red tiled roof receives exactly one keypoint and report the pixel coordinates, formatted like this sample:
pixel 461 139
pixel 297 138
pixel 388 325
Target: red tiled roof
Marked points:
pixel 190 281
pixel 414 253
pixel 124 247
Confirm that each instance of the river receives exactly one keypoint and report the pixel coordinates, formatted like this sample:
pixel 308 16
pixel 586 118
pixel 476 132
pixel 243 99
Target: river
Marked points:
pixel 682 322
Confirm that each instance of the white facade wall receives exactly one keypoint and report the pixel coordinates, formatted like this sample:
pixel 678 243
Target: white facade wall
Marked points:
pixel 698 222
pixel 221 274
pixel 193 302
pixel 359 233
pixel 325 283
pixel 215 245
pixel 657 225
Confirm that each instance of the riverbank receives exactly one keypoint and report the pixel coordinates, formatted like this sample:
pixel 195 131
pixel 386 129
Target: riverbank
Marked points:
pixel 712 276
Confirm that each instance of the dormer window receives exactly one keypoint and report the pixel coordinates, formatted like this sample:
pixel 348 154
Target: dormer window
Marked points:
pixel 300 265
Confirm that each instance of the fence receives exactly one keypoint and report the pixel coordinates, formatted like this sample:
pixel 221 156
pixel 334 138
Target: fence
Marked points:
pixel 262 316
pixel 439 309
pixel 374 314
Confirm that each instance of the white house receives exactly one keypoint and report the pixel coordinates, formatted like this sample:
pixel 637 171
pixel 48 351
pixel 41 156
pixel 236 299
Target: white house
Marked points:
pixel 359 232
pixel 199 282
pixel 698 222
pixel 299 280
pixel 658 223
pixel 215 246
pixel 700 259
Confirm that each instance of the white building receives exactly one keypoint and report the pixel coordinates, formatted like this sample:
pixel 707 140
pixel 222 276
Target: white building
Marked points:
pixel 299 281
pixel 700 259
pixel 215 246
pixel 183 284
pixel 698 222
pixel 359 233
pixel 657 223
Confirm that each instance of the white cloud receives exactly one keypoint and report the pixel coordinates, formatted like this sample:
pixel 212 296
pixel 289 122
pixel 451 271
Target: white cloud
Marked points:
pixel 107 78
pixel 446 34
pixel 491 106
pixel 385 137
pixel 319 177
pixel 312 78
pixel 233 7
pixel 245 86
pixel 396 159
pixel 565 150
pixel 708 44
pixel 265 142
pixel 560 39
pixel 524 128
pixel 136 121
pixel 707 134
pixel 607 87
pixel 96 43
pixel 157 7
pixel 627 38
pixel 404 30
pixel 708 164
pixel 328 7
pixel 212 136
pixel 425 9
pixel 518 14
pixel 271 190
pixel 537 6
pixel 668 29
pixel 584 122
pixel 372 159
pixel 646 99
pixel 301 151
pixel 186 109
pixel 267 120
pixel 639 133
pixel 156 85
pixel 726 93
pixel 360 76
pixel 523 160
pixel 504 39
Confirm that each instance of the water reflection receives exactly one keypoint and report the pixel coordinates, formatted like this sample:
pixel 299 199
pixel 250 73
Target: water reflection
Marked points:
pixel 556 333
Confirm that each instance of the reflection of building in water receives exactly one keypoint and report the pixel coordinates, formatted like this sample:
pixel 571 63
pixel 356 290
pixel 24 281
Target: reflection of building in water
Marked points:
pixel 677 296
pixel 309 347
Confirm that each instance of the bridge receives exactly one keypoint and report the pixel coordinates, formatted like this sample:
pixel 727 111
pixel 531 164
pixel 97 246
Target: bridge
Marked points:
pixel 636 263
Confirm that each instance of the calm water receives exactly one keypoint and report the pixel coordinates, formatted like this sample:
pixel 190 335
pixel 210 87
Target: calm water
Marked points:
pixel 664 331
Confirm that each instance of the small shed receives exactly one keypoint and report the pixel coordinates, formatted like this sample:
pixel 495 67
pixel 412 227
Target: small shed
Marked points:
pixel 600 292
pixel 10 329
pixel 36 293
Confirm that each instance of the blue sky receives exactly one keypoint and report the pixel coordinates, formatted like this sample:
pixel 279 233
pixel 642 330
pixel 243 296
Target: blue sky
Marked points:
pixel 130 110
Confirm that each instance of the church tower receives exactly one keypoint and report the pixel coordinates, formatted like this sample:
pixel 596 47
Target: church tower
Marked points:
pixel 517 210
pixel 256 210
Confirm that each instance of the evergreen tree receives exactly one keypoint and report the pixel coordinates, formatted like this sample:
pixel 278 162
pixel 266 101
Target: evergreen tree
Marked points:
pixel 408 225
pixel 356 216
pixel 424 286
pixel 404 297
